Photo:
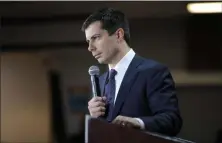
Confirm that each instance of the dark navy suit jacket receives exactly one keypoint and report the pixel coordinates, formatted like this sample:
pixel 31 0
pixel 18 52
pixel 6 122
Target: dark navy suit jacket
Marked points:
pixel 148 92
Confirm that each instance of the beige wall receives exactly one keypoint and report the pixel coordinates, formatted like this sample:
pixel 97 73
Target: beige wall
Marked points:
pixel 25 102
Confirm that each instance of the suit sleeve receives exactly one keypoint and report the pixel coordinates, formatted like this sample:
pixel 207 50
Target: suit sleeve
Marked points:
pixel 163 102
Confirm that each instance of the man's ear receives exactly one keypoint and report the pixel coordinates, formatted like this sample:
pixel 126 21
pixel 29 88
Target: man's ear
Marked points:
pixel 120 34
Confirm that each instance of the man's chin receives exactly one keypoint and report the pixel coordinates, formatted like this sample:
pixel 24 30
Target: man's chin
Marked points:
pixel 101 61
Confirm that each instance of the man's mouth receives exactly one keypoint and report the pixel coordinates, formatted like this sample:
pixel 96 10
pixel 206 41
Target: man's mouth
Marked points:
pixel 97 56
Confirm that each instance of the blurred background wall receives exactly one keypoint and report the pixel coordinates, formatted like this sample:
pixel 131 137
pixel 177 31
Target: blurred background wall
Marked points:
pixel 25 100
pixel 45 84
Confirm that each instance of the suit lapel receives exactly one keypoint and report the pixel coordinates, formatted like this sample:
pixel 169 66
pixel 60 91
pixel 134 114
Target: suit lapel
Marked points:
pixel 126 84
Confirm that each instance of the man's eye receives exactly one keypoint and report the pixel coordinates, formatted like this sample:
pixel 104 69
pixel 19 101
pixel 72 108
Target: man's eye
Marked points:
pixel 96 37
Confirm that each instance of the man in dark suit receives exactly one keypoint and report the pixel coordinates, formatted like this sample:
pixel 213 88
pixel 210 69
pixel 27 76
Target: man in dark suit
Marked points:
pixel 136 92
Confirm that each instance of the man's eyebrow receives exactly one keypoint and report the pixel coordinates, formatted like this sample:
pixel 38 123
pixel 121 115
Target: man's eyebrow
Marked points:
pixel 93 36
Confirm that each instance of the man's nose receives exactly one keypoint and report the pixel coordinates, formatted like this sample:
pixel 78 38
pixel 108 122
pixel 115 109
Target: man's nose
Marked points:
pixel 91 47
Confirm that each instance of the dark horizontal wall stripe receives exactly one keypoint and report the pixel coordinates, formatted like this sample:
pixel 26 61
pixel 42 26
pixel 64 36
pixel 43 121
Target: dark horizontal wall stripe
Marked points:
pixel 8 21
pixel 41 46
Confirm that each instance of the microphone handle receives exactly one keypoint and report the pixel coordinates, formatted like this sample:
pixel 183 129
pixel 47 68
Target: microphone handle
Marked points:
pixel 94 88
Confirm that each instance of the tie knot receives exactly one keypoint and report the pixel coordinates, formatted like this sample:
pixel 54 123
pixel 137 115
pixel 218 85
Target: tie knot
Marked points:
pixel 113 72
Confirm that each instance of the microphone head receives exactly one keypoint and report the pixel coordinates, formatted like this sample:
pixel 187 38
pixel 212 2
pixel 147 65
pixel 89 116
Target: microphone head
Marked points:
pixel 94 70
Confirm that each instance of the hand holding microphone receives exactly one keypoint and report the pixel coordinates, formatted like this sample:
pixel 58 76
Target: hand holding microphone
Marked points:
pixel 96 105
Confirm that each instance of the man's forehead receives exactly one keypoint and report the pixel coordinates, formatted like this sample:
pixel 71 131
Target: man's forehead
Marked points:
pixel 92 29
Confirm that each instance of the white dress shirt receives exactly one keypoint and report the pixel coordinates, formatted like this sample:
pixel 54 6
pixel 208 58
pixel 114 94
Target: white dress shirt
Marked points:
pixel 121 68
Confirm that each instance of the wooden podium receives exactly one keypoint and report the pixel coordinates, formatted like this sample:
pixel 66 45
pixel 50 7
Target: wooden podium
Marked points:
pixel 99 131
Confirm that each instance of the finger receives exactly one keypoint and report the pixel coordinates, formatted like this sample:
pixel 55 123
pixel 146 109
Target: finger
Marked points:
pixel 115 120
pixel 118 120
pixel 97 114
pixel 132 123
pixel 104 98
pixel 96 104
pixel 97 109
pixel 95 99
pixel 123 121
pixel 128 125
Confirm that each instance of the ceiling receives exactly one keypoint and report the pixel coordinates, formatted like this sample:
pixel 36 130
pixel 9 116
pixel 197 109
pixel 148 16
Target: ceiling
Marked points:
pixel 132 9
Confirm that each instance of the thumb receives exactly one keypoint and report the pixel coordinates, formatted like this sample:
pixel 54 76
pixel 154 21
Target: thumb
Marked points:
pixel 104 98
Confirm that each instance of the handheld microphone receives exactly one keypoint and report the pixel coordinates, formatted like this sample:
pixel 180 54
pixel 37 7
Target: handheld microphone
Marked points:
pixel 94 72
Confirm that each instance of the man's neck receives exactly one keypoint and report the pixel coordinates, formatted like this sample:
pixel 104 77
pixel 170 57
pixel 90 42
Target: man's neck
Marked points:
pixel 120 55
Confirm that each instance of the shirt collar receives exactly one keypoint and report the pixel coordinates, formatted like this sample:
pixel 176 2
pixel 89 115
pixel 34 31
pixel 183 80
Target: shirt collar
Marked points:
pixel 124 62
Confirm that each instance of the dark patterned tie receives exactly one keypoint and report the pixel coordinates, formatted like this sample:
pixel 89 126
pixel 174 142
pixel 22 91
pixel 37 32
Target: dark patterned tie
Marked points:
pixel 110 89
